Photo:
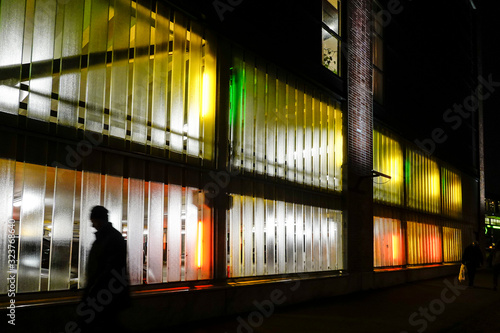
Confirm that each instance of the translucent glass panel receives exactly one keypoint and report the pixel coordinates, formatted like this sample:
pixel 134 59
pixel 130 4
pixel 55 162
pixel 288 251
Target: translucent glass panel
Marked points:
pixel 274 237
pixel 388 242
pixel 331 33
pixel 422 182
pixel 133 70
pixel 387 159
pixel 168 227
pixel 282 128
pixel 451 192
pixel 452 244
pixel 424 243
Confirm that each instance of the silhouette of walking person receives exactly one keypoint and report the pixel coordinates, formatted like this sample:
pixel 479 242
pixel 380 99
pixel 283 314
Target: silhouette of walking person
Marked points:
pixel 472 258
pixel 107 289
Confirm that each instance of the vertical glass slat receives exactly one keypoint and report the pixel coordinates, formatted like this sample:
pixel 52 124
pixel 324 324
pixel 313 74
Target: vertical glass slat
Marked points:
pixel 31 228
pixel 69 80
pixel 113 199
pixel 160 77
pixel 299 137
pixel 316 239
pixel 248 116
pixel 271 122
pixel 140 93
pixel 247 222
pixel 155 233
pixel 308 139
pixel 259 236
pixel 290 132
pixel 7 176
pixel 12 15
pixel 299 237
pixel 237 107
pixel 260 119
pixel 270 238
pixel 91 196
pixel 308 239
pixel 135 229
pixel 290 238
pixel 174 233
pixel 235 240
pixel 324 240
pixel 96 69
pixel 119 69
pixel 62 229
pixel 316 144
pixel 178 83
pixel 207 232
pixel 324 145
pixel 40 86
pixel 208 96
pixel 338 149
pixel 195 88
pixel 191 235
pixel 280 236
pixel 281 125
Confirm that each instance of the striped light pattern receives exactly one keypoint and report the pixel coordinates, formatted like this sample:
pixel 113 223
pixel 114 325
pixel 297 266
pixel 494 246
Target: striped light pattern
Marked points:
pixel 133 70
pixel 274 237
pixel 388 159
pixel 422 182
pixel 282 127
pixel 451 187
pixel 167 226
pixel 388 242
pixel 424 243
pixel 452 244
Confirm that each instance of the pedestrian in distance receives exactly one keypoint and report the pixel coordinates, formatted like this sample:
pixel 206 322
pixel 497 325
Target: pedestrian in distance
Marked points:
pixel 107 290
pixel 473 259
pixel 495 265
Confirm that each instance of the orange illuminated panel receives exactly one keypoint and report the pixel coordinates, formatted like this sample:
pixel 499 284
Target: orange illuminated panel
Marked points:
pixel 424 243
pixel 388 242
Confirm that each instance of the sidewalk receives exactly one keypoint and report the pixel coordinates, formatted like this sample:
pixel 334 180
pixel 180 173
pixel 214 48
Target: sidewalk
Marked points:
pixel 439 305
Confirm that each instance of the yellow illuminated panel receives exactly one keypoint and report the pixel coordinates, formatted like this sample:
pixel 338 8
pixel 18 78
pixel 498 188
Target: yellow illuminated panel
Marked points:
pixel 282 127
pixel 451 192
pixel 452 244
pixel 424 243
pixel 422 182
pixel 387 159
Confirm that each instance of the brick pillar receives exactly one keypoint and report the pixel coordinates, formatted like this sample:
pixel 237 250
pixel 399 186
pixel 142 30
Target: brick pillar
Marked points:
pixel 359 198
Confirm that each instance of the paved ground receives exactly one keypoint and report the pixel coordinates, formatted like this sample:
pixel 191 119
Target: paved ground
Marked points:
pixel 439 305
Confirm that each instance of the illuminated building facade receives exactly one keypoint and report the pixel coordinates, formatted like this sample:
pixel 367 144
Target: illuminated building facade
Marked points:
pixel 227 168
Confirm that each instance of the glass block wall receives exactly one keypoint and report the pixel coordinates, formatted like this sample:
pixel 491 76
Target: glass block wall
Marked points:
pixel 424 243
pixel 133 70
pixel 275 237
pixel 388 242
pixel 168 227
pixel 282 127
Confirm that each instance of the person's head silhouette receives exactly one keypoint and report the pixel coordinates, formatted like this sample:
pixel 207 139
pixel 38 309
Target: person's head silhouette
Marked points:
pixel 99 217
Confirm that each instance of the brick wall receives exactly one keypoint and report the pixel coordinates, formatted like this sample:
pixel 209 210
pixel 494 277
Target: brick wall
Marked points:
pixel 359 212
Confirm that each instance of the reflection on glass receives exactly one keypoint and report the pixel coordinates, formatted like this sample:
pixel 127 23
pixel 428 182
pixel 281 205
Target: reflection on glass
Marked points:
pixel 330 52
pixel 331 15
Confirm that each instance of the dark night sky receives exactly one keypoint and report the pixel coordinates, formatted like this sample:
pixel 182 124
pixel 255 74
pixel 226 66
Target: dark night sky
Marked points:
pixel 491 65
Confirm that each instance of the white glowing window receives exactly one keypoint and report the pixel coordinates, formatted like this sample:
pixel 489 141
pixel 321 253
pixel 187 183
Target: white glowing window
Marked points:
pixel 168 227
pixel 274 237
